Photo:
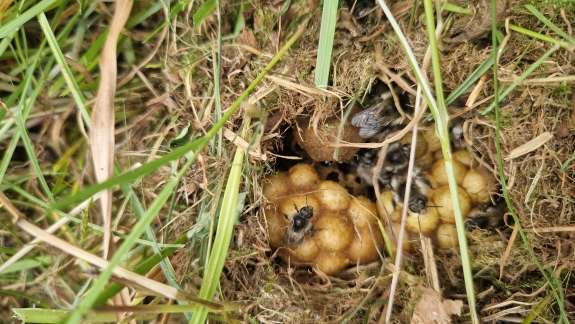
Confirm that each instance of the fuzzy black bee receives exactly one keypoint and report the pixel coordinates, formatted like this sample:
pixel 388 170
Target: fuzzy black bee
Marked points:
pixel 396 161
pixel 487 217
pixel 420 188
pixel 380 117
pixel 300 225
pixel 360 7
pixel 364 163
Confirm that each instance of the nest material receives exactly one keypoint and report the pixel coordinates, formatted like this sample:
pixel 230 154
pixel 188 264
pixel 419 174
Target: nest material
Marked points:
pixel 539 192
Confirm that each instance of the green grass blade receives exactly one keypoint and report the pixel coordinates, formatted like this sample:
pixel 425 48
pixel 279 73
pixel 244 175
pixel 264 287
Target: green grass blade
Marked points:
pixel 523 76
pixel 548 23
pixel 6 42
pixel 225 228
pixel 546 38
pixel 142 269
pixel 23 135
pixel 217 82
pixel 473 77
pixel 130 175
pixel 23 265
pixel 90 298
pixel 446 6
pixel 17 23
pixel 203 12
pixel 441 120
pixel 442 132
pixel 412 61
pixel 41 315
pixel 566 163
pixel 325 47
pixel 66 71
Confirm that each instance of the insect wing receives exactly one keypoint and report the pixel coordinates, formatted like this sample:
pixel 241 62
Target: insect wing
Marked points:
pixel 368 125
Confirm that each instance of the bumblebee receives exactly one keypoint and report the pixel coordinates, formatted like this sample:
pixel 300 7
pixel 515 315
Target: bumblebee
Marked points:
pixel 360 7
pixel 486 217
pixel 456 132
pixel 420 188
pixel 380 117
pixel 300 224
pixel 364 164
pixel 396 160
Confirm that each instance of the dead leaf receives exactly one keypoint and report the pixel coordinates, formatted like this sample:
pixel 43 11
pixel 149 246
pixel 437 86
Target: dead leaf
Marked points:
pixel 563 129
pixel 126 277
pixel 102 141
pixel 400 8
pixel 432 309
pixel 530 146
pixel 247 38
pixel 3 6
pixel 274 38
pixel 102 124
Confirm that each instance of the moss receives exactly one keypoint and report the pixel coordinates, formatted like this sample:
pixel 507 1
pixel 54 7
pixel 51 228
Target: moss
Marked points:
pixel 267 20
pixel 556 4
pixel 561 91
pixel 304 73
pixel 505 117
pixel 268 287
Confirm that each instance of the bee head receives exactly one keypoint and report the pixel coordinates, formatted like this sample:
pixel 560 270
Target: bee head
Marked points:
pixel 479 222
pixel 366 157
pixel 306 212
pixel 418 204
